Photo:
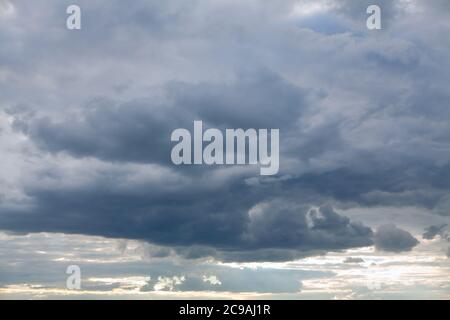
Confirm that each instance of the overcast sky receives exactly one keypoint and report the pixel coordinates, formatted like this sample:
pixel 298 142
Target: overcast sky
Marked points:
pixel 359 207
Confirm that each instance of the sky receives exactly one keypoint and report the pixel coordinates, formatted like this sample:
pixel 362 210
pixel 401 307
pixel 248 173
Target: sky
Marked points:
pixel 360 207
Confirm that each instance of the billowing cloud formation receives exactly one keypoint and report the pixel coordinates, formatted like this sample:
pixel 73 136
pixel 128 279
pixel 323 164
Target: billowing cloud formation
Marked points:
pixel 390 238
pixel 138 130
pixel 284 226
pixel 86 118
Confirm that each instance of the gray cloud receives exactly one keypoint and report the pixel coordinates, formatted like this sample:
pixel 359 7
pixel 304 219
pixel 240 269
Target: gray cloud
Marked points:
pixel 392 239
pixel 139 130
pixel 86 119
pixel 224 223
pixel 353 260
pixel 281 225
pixel 432 231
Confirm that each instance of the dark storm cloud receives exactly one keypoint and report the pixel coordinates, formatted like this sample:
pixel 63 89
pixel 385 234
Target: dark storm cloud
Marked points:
pixel 392 239
pixel 410 184
pixel 279 225
pixel 140 130
pixel 432 231
pixel 363 119
pixel 227 223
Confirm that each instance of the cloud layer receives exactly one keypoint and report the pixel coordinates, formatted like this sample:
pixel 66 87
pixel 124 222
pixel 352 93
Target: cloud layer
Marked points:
pixel 86 119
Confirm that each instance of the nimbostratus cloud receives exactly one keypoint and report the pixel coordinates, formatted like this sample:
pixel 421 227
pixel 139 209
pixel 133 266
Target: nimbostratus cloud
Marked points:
pixel 86 133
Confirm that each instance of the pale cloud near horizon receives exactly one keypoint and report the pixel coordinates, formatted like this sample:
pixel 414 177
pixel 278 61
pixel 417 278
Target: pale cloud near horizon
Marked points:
pixel 111 270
